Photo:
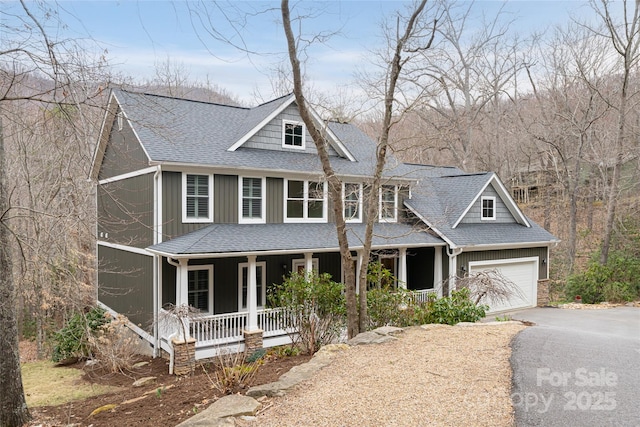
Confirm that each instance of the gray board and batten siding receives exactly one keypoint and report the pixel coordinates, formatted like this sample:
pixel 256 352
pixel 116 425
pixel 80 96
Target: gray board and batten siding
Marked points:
pixel 123 153
pixel 540 252
pixel 226 280
pixel 474 215
pixel 125 211
pixel 125 284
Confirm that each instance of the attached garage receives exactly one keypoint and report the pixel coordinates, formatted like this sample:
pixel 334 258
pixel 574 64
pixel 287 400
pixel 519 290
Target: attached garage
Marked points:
pixel 523 272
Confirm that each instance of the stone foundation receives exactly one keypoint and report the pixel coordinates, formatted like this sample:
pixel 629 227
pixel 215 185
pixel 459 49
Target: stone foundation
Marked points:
pixel 543 292
pixel 184 356
pixel 252 341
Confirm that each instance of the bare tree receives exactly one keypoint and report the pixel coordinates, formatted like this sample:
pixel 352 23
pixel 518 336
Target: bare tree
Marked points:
pixel 39 71
pixel 567 109
pixel 469 71
pixel 624 37
pixel 357 320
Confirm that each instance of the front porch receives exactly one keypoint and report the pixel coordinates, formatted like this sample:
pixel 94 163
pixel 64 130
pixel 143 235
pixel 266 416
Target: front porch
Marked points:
pixel 220 333
pixel 226 273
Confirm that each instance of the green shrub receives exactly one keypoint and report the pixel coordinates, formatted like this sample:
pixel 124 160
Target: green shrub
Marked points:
pixel 454 309
pixel 390 307
pixel 397 307
pixel 316 308
pixel 617 281
pixel 73 339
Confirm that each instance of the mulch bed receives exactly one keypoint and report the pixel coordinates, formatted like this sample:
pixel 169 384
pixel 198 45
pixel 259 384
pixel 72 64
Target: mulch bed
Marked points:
pixel 168 401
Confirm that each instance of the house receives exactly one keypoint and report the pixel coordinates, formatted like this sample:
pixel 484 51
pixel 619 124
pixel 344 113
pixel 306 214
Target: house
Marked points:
pixel 209 205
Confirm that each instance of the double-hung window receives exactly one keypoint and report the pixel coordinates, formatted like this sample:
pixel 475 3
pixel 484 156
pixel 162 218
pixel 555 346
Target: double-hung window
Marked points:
pixel 388 203
pixel 488 206
pixel 252 200
pixel 261 285
pixel 352 196
pixel 197 198
pixel 305 201
pixel 293 135
pixel 200 288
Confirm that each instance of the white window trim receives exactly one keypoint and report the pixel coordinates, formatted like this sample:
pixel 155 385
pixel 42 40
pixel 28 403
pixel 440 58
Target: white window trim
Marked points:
pixel 304 134
pixel 263 202
pixel 357 219
pixel 120 120
pixel 203 267
pixel 487 218
pixel 185 218
pixel 242 265
pixel 301 262
pixel 305 202
pixel 395 205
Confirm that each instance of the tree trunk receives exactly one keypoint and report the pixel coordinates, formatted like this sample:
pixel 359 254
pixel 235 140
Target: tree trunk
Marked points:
pixel 13 407
pixel 335 184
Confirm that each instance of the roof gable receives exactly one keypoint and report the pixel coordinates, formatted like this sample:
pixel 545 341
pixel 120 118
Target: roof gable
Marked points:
pixel 334 142
pixel 130 154
pixel 442 197
pixel 504 197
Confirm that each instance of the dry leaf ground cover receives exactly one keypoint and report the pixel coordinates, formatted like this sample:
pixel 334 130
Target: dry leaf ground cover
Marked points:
pixel 436 375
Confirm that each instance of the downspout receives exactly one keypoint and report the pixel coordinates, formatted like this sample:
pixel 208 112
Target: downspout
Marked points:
pixel 172 353
pixel 156 262
pixel 452 266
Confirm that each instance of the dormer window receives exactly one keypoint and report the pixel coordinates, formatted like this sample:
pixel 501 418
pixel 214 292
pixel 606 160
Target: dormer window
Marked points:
pixel 293 135
pixel 488 208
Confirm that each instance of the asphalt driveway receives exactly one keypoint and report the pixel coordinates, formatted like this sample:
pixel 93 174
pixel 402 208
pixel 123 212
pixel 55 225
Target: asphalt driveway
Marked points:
pixel 577 367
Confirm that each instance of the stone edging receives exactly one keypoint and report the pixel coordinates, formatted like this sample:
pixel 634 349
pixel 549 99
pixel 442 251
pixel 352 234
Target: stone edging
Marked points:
pixel 222 412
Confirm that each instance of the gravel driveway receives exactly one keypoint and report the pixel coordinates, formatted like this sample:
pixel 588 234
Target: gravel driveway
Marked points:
pixel 432 375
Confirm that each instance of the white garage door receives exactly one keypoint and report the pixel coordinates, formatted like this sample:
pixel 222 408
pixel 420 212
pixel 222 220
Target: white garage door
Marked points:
pixel 523 272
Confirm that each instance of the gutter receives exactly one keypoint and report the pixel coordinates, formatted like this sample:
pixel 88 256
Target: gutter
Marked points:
pixel 278 252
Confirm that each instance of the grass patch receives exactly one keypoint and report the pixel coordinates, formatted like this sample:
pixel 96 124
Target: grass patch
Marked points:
pixel 48 385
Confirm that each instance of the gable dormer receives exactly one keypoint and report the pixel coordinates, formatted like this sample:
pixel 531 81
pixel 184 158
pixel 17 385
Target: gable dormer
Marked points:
pixel 285 132
pixel 492 205
pixel 283 129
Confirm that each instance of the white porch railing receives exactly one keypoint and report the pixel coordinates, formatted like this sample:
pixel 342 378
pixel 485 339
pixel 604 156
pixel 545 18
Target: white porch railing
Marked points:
pixel 422 295
pixel 225 328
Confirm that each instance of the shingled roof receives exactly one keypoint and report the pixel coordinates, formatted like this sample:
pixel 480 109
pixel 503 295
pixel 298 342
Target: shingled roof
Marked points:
pixel 227 239
pixel 441 197
pixel 173 130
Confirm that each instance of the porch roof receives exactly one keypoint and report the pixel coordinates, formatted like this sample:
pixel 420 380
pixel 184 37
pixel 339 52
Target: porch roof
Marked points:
pixel 219 240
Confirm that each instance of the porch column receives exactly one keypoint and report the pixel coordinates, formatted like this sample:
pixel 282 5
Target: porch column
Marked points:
pixel 402 274
pixel 358 267
pixel 252 297
pixel 453 267
pixel 308 263
pixel 253 335
pixel 437 271
pixel 182 283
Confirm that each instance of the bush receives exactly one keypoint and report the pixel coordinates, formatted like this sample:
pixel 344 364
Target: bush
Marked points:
pixel 316 308
pixel 390 307
pixel 235 370
pixel 617 281
pixel 114 345
pixel 397 307
pixel 454 309
pixel 72 341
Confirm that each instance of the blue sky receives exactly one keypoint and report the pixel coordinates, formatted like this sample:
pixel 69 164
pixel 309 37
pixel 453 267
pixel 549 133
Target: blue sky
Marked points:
pixel 139 34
